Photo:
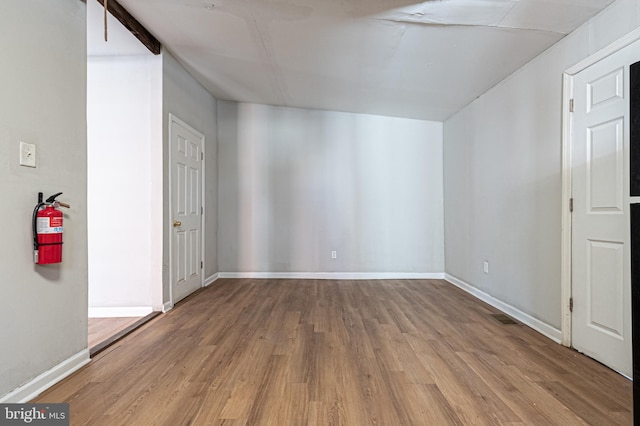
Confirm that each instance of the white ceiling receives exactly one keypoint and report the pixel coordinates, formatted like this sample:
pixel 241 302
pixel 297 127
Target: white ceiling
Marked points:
pixel 389 57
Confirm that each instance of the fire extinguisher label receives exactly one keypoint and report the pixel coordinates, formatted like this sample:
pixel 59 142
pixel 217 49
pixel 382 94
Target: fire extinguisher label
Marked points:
pixel 44 226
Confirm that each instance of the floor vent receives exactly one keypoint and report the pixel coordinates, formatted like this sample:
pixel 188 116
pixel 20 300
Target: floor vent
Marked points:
pixel 504 319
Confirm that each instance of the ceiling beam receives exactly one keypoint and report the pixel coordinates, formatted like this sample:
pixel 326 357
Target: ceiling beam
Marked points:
pixel 132 24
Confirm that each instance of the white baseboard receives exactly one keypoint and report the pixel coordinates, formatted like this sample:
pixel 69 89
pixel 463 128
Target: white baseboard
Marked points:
pixel 167 306
pixel 335 275
pixel 39 384
pixel 540 326
pixel 211 279
pixel 115 312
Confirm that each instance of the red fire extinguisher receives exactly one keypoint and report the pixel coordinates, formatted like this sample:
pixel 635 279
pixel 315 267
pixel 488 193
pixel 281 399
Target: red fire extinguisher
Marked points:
pixel 47 230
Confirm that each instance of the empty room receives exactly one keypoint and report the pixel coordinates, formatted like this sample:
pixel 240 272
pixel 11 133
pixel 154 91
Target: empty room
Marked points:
pixel 320 212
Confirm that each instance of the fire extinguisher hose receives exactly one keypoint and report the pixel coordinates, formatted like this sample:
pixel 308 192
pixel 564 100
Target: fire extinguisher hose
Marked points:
pixel 35 215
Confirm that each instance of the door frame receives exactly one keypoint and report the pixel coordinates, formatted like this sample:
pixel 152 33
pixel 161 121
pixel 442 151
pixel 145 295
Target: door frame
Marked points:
pixel 173 120
pixel 567 169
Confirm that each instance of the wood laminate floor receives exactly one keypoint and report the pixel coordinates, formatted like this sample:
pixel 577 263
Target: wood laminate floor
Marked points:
pixel 103 332
pixel 102 329
pixel 304 352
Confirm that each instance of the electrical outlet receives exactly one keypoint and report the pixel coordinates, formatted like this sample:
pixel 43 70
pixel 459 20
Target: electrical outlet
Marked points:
pixel 486 267
pixel 27 154
pixel 334 254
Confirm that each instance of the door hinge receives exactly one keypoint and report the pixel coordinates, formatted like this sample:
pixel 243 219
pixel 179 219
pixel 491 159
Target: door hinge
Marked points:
pixel 571 304
pixel 201 264
pixel 201 210
pixel 202 155
pixel 571 205
pixel 570 105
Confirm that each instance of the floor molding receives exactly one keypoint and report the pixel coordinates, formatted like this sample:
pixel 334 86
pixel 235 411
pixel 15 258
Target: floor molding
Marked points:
pixel 119 312
pixel 540 326
pixel 39 384
pixel 167 306
pixel 210 280
pixel 335 275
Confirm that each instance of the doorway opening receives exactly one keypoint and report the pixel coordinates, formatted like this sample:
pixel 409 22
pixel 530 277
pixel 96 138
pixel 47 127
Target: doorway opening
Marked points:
pixel 596 239
pixel 124 180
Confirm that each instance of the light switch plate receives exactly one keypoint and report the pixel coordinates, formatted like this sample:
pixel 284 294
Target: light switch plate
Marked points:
pixel 27 154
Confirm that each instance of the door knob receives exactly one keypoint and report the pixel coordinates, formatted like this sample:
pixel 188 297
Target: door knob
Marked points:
pixel 177 223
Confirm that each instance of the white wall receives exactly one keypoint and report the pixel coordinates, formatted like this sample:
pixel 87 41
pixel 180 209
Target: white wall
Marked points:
pixel 184 97
pixel 124 117
pixel 502 168
pixel 42 101
pixel 296 184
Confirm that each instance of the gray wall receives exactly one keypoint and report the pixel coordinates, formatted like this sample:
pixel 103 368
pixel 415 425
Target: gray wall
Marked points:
pixel 502 175
pixel 42 101
pixel 185 98
pixel 296 184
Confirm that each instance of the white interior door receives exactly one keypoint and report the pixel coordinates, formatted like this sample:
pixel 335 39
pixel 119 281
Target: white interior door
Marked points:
pixel 186 208
pixel 601 271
